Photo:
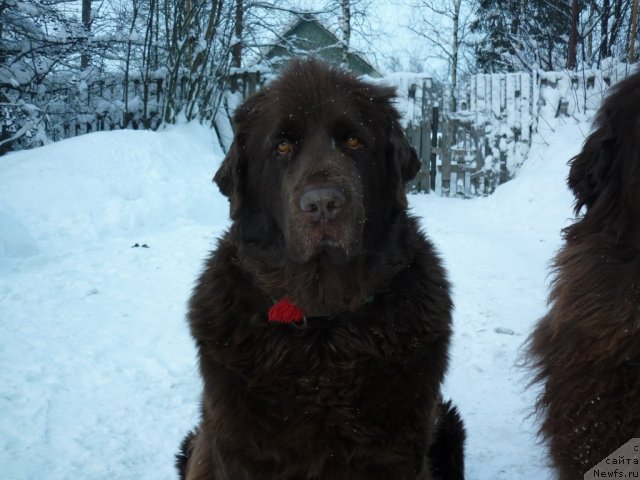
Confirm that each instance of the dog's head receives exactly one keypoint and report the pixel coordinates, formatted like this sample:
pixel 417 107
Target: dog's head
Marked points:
pixel 318 164
pixel 605 175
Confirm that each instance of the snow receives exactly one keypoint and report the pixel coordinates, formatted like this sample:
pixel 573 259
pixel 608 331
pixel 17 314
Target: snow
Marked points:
pixel 99 373
pixel 414 95
pixel 88 188
pixel 498 251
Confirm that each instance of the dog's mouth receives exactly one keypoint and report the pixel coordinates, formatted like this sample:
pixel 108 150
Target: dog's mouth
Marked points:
pixel 328 242
pixel 337 243
pixel 332 249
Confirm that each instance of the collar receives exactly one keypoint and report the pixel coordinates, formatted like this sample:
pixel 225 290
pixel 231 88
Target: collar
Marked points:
pixel 285 311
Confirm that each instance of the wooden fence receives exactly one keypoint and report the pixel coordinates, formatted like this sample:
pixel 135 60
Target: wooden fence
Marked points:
pixel 464 153
pixel 485 141
pixel 106 104
pixel 494 122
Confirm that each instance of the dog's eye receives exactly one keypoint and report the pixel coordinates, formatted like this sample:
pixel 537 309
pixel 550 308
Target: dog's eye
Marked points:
pixel 284 147
pixel 353 143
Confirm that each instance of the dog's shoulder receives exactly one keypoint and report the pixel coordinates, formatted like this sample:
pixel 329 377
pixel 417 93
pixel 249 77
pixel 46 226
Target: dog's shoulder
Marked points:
pixel 220 272
pixel 224 292
pixel 425 276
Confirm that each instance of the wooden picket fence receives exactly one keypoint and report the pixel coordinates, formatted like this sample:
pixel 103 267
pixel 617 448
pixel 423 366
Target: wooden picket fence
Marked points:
pixel 484 142
pixel 464 153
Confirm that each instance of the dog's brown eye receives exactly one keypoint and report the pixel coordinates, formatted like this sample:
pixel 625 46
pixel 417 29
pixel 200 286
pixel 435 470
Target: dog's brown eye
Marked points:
pixel 353 143
pixel 283 147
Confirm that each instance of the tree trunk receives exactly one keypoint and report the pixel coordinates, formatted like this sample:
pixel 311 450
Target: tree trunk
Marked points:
pixel 632 38
pixel 147 50
pixel 455 47
pixel 127 67
pixel 604 29
pixel 86 23
pixel 590 27
pixel 237 46
pixel 156 43
pixel 3 52
pixel 573 36
pixel 346 32
pixel 203 73
pixel 617 23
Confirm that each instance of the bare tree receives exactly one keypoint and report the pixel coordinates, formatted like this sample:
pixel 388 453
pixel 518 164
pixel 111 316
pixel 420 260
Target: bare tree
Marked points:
pixel 445 25
pixel 238 28
pixel 346 32
pixel 573 35
pixel 618 20
pixel 199 58
pixel 632 39
pixel 145 70
pixel 39 57
pixel 86 22
pixel 604 29
pixel 135 9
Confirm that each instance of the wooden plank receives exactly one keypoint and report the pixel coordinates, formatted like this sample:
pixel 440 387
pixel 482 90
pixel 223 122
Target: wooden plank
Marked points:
pixel 425 154
pixel 473 100
pixel 494 82
pixel 433 145
pixel 453 184
pixel 512 112
pixel 481 107
pixel 467 183
pixel 445 153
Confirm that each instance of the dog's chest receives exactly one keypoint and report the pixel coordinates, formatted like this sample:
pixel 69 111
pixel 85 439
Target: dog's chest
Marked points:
pixel 317 369
pixel 323 367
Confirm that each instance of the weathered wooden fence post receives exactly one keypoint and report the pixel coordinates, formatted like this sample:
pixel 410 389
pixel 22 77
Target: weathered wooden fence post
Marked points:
pixel 434 145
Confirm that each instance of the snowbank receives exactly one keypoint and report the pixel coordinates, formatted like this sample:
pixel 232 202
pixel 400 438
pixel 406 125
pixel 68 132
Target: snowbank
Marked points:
pixel 96 186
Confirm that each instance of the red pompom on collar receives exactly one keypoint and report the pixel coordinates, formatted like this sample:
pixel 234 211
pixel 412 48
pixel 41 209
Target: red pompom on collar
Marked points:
pixel 285 312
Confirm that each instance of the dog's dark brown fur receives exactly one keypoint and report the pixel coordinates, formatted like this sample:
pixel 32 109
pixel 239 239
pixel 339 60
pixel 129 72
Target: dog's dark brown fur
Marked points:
pixel 586 350
pixel 355 392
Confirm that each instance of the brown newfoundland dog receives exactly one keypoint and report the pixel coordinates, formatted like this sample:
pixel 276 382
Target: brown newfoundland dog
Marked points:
pixel 323 318
pixel 586 350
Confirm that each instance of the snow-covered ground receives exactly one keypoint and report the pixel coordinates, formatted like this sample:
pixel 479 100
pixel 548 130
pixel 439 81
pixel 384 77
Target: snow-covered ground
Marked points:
pixel 98 375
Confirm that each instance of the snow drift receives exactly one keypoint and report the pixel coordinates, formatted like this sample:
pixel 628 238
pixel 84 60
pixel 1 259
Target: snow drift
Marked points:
pixel 93 187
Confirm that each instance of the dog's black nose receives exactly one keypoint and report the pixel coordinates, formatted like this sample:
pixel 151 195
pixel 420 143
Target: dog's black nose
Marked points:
pixel 322 204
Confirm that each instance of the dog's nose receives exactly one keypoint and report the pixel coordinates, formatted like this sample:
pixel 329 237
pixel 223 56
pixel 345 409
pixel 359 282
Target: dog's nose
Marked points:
pixel 322 204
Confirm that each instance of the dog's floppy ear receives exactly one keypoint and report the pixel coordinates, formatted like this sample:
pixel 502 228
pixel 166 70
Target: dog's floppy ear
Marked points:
pixel 590 169
pixel 404 161
pixel 230 177
pixel 405 155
